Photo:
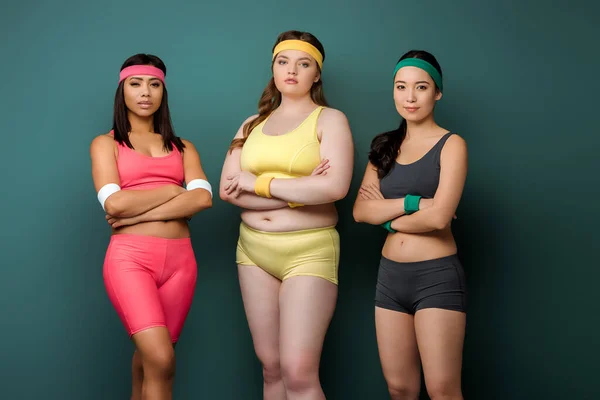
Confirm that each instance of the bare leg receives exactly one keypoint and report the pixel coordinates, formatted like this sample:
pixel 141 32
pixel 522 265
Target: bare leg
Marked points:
pixel 398 353
pixel 307 304
pixel 260 293
pixel 158 362
pixel 440 334
pixel 137 376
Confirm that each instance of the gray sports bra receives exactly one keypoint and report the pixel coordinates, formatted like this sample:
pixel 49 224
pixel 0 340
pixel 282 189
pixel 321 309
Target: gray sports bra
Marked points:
pixel 420 178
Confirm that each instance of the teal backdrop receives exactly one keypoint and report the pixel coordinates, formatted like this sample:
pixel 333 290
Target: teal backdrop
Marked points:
pixel 520 87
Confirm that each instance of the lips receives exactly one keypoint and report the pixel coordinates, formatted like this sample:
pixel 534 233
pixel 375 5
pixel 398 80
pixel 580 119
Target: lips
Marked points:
pixel 411 109
pixel 145 104
pixel 291 81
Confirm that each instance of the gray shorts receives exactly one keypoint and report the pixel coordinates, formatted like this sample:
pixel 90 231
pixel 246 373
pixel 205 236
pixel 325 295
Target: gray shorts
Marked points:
pixel 409 287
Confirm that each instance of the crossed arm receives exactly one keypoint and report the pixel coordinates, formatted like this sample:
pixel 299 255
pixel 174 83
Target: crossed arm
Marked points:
pixel 328 183
pixel 129 207
pixel 434 214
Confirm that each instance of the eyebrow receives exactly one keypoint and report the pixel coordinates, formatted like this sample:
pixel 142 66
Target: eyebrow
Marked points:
pixel 429 83
pixel 301 58
pixel 415 82
pixel 141 79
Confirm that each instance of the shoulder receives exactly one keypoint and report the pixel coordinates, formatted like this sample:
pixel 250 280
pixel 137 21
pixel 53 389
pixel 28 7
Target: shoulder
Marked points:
pixel 103 142
pixel 455 147
pixel 332 120
pixel 240 132
pixel 189 150
pixel 331 115
pixel 188 144
pixel 456 142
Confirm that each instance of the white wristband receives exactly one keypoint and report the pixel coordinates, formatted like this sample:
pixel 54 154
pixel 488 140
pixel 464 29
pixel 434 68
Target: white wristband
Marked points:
pixel 105 192
pixel 200 184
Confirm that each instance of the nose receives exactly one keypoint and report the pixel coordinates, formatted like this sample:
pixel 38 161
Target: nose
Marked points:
pixel 292 69
pixel 145 90
pixel 410 97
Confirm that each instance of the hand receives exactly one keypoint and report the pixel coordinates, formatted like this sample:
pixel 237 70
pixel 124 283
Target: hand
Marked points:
pixel 242 181
pixel 115 222
pixel 370 192
pixel 321 169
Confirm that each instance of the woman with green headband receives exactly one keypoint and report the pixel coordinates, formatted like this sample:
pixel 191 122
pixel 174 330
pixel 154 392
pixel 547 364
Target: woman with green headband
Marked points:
pixel 411 187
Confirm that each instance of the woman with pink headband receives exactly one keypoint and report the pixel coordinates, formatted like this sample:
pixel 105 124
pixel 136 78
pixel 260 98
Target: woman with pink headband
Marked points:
pixel 286 167
pixel 139 170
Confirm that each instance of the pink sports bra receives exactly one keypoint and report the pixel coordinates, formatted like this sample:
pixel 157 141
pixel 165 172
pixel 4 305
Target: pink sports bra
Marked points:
pixel 139 171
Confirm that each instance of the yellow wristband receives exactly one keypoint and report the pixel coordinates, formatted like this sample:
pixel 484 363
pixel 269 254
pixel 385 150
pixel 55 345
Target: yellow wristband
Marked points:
pixel 294 205
pixel 262 186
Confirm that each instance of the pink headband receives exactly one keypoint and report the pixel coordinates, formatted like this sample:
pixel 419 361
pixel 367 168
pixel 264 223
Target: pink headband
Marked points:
pixel 141 70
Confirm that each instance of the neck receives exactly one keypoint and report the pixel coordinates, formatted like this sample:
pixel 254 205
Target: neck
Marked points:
pixel 141 124
pixel 293 105
pixel 419 129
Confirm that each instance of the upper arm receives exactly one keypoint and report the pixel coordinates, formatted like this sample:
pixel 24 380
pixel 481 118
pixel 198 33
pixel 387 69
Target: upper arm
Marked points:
pixel 453 174
pixel 337 147
pixel 231 165
pixel 104 163
pixel 192 167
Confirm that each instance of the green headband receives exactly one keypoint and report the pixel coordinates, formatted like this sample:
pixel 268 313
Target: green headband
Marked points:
pixel 425 66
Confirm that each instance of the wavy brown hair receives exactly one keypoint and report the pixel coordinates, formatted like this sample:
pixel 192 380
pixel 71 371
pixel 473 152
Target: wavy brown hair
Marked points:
pixel 271 96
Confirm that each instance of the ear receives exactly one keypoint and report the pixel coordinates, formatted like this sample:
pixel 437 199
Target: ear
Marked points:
pixel 317 78
pixel 438 95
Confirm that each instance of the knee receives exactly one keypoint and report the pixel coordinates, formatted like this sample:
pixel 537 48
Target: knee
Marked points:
pixel 403 391
pixel 271 370
pixel 160 363
pixel 300 374
pixel 444 390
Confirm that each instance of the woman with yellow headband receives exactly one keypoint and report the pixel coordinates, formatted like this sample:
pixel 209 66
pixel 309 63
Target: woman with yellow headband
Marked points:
pixel 285 168
pixel 412 186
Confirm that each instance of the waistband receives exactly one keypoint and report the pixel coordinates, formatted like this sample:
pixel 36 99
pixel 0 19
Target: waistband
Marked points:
pixel 150 240
pixel 288 233
pixel 436 262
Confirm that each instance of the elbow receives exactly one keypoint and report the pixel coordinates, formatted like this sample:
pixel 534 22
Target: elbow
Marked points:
pixel 204 200
pixel 338 193
pixel 113 207
pixel 223 196
pixel 207 203
pixel 439 222
pixel 357 215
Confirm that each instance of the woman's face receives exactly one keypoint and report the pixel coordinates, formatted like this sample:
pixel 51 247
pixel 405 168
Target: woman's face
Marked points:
pixel 415 94
pixel 295 72
pixel 143 94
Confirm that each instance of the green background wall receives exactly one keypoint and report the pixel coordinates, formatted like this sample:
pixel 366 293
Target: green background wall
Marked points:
pixel 521 88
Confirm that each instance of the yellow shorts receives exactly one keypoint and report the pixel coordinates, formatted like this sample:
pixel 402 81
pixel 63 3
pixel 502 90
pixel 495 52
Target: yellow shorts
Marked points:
pixel 310 252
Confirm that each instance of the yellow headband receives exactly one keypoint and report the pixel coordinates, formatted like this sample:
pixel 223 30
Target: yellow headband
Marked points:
pixel 302 46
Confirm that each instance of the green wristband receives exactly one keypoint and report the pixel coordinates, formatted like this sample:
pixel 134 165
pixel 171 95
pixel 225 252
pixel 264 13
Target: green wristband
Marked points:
pixel 411 203
pixel 388 226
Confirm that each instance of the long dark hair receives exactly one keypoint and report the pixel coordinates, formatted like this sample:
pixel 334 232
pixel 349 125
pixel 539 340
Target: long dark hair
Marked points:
pixel 385 147
pixel 271 96
pixel 162 116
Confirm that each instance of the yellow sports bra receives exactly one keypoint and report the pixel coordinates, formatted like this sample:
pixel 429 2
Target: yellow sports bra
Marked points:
pixel 293 154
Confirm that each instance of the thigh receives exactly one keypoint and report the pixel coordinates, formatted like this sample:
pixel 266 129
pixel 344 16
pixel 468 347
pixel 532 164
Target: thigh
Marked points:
pixel 177 291
pixel 440 336
pixel 398 349
pixel 307 304
pixel 133 291
pixel 260 294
